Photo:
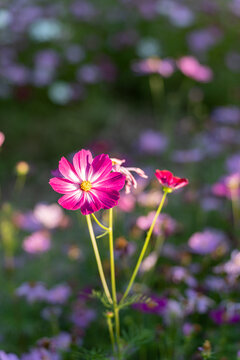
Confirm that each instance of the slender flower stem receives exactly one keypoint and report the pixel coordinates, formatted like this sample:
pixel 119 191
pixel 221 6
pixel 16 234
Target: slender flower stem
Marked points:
pixel 144 247
pixel 113 282
pixel 110 328
pixel 98 259
pixel 98 222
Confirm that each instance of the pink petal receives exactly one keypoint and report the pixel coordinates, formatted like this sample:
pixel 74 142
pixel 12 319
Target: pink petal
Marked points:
pixel 72 200
pixel 67 170
pixel 101 166
pixel 165 177
pixel 90 204
pixel 114 180
pixel 81 162
pixel 62 186
pixel 108 197
pixel 178 183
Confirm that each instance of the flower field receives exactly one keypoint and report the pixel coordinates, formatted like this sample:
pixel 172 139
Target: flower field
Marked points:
pixel 119 180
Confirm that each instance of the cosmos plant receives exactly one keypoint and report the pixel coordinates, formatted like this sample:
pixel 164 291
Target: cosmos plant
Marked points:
pixel 89 184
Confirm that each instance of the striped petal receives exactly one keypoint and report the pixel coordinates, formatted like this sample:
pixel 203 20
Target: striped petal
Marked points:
pixel 72 200
pixel 108 197
pixel 101 167
pixel 67 170
pixel 82 163
pixel 114 180
pixel 63 186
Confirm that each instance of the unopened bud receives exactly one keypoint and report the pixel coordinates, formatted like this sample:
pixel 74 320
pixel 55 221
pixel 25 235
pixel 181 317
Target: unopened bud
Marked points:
pixel 22 168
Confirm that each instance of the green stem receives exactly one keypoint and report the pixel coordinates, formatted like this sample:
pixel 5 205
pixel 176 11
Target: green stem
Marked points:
pixel 113 282
pixel 98 222
pixel 144 247
pixel 110 328
pixel 98 259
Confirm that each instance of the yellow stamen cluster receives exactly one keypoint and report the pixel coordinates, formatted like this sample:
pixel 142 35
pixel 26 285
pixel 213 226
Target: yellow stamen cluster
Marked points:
pixel 86 186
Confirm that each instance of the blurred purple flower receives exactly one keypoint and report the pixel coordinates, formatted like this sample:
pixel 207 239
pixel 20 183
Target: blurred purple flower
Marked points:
pixel 202 40
pixel 156 305
pixel 32 291
pixel 188 329
pixel 37 243
pixel 58 294
pixel 16 74
pixel 210 203
pixel 229 115
pixel 83 10
pixel 232 60
pixel 5 356
pixel 89 74
pixel 233 163
pixel 82 316
pixel 226 314
pixel 181 274
pixel 178 14
pixel 215 283
pixel 188 156
pixel 74 53
pixel 152 142
pixel 40 354
pixel 208 241
pixel 62 341
pixel 197 302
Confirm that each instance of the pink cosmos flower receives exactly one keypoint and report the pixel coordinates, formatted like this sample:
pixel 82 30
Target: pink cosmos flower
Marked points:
pixel 169 181
pixel 126 171
pixel 190 67
pixel 88 184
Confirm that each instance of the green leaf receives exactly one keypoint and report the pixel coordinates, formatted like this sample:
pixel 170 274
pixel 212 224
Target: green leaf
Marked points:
pixel 133 299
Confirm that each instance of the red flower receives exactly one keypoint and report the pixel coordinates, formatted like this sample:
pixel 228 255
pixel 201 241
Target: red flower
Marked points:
pixel 168 181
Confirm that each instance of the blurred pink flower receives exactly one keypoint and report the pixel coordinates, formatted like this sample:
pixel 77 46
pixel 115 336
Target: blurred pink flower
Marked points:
pixel 127 172
pixel 151 198
pixel 163 67
pixel 37 243
pixel 2 138
pixel 127 202
pixel 165 224
pixel 190 67
pixel 50 216
pixel 228 187
pixel 88 184
pixel 232 266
